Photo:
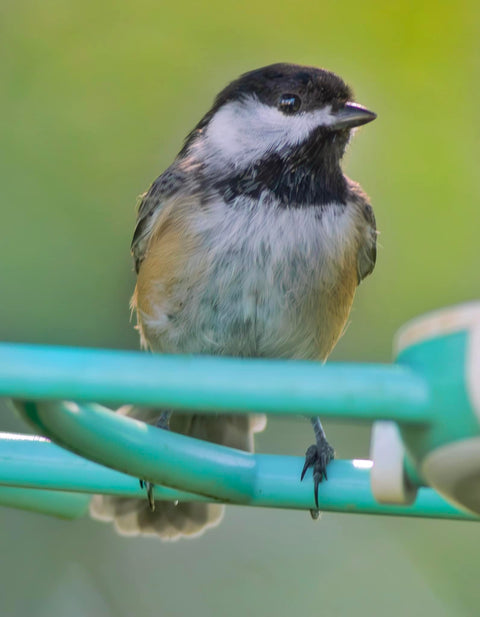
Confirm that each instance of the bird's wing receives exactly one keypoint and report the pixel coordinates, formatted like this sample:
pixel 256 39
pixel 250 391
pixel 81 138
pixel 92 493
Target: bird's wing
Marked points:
pixel 367 254
pixel 151 205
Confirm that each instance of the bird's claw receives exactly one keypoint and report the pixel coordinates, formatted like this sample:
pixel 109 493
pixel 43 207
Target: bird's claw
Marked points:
pixel 148 486
pixel 162 422
pixel 317 456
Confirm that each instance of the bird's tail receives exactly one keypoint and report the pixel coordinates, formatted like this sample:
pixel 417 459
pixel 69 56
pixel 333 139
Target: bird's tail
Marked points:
pixel 172 521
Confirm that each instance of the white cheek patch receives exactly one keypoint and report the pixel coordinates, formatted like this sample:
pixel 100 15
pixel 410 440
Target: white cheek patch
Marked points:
pixel 243 131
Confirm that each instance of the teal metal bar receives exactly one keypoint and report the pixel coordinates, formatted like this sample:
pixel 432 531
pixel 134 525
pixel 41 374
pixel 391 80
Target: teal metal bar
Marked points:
pixel 143 451
pixel 54 503
pixel 27 461
pixel 24 476
pixel 33 462
pixel 215 385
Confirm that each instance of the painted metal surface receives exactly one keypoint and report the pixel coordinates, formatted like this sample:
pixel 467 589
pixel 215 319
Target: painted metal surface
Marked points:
pixel 430 392
pixel 26 462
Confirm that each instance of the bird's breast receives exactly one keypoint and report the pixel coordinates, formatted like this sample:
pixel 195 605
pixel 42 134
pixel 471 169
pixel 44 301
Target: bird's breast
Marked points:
pixel 258 280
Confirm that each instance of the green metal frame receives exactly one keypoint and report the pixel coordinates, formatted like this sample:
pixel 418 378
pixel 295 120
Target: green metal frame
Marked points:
pixel 214 384
pixel 108 453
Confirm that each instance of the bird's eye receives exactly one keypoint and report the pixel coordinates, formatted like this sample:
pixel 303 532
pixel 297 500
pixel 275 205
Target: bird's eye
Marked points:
pixel 289 103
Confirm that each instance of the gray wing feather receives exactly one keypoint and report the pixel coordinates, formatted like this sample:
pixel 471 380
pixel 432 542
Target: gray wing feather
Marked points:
pixel 151 205
pixel 367 254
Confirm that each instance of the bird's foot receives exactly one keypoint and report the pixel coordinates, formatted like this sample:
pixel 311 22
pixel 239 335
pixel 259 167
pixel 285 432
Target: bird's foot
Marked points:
pixel 148 486
pixel 163 422
pixel 317 457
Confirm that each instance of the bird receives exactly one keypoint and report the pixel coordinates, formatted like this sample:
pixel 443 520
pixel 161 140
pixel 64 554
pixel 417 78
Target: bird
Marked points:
pixel 251 244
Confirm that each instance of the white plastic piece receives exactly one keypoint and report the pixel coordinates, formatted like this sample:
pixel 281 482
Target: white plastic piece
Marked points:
pixel 454 471
pixel 473 368
pixel 388 480
pixel 437 323
pixel 448 321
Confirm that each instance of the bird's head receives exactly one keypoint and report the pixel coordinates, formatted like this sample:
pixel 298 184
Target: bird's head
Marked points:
pixel 282 110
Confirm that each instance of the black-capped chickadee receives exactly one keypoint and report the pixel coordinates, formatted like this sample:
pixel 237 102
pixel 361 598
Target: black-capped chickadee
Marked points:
pixel 252 244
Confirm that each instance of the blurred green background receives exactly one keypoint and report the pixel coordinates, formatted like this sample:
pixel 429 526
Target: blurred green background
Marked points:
pixel 95 100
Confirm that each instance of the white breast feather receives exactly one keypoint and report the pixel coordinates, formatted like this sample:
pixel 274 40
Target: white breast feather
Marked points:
pixel 269 269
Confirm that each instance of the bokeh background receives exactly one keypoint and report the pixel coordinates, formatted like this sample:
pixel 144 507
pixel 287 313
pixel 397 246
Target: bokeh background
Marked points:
pixel 95 99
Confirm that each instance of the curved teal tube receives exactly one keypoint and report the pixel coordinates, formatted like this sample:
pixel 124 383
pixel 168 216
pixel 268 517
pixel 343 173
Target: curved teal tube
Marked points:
pixel 36 464
pixel 54 503
pixel 360 392
pixel 192 469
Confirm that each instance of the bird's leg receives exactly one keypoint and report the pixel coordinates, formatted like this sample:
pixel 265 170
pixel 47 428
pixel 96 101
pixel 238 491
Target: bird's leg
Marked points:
pixel 164 420
pixel 318 456
pixel 164 423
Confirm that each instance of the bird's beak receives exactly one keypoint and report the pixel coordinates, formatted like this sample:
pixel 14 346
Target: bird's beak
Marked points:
pixel 350 115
